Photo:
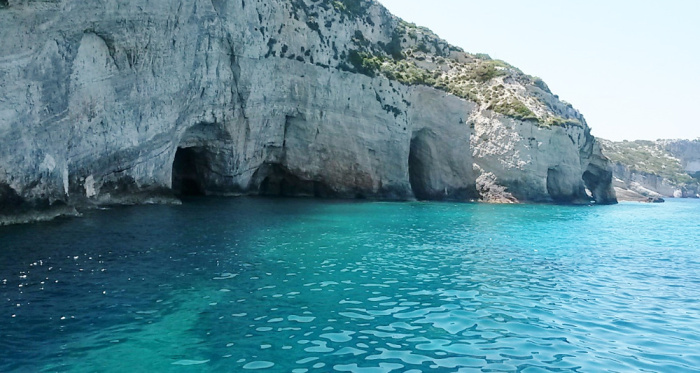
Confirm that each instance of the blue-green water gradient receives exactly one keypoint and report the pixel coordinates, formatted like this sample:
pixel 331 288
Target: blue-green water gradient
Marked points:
pixel 293 285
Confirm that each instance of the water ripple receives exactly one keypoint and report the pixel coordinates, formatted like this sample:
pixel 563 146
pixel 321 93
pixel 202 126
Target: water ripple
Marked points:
pixel 299 286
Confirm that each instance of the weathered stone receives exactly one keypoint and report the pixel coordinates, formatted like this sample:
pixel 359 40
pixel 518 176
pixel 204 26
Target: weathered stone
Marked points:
pixel 534 163
pixel 117 101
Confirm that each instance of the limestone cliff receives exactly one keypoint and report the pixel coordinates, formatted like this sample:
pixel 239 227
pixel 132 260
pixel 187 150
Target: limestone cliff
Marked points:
pixel 687 152
pixel 135 101
pixel 662 168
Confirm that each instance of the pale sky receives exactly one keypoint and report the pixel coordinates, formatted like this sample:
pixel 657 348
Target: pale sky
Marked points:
pixel 631 67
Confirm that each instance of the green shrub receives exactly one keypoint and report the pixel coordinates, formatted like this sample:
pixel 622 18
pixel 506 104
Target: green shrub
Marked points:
pixel 407 73
pixel 338 5
pixel 365 63
pixel 558 121
pixel 486 71
pixel 514 108
pixel 353 8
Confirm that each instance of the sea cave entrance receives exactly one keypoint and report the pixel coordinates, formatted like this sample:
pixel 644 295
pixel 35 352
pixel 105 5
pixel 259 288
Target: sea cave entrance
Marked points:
pixel 275 180
pixel 189 168
pixel 204 162
pixel 599 181
pixel 419 158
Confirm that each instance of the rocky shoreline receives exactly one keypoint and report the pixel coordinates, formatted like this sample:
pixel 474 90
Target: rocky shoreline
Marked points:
pixel 110 103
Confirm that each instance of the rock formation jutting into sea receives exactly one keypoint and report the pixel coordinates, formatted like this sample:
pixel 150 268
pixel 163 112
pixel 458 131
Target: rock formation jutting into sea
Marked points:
pixel 138 101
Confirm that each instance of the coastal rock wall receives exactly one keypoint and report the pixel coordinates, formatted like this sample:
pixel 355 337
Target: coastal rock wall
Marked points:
pixel 118 101
pixel 662 168
pixel 688 152
pixel 644 184
pixel 535 163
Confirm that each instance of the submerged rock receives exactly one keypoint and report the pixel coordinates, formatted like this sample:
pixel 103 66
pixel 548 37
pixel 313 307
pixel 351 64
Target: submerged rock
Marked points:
pixel 137 101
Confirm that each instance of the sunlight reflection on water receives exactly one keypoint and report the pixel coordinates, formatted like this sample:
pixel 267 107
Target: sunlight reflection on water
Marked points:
pixel 303 285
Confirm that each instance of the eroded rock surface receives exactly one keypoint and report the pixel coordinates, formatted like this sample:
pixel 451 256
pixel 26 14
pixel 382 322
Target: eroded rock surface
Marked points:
pixel 134 101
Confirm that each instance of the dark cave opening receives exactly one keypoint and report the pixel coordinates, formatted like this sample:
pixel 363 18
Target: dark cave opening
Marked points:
pixel 278 181
pixel 594 182
pixel 591 180
pixel 418 168
pixel 599 181
pixel 189 167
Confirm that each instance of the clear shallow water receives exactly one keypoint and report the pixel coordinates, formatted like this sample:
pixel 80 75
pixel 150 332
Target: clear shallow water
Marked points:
pixel 274 285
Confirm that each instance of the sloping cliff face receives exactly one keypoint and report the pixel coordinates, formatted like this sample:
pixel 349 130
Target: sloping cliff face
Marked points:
pixel 136 101
pixel 662 168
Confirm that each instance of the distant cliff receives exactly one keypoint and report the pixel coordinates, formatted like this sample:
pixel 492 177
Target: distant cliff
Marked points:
pixel 662 168
pixel 115 101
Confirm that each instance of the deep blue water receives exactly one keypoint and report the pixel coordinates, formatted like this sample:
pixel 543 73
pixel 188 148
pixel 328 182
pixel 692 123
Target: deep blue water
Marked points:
pixel 227 285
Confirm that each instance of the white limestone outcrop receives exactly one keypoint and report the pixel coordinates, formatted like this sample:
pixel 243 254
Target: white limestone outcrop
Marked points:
pixel 133 101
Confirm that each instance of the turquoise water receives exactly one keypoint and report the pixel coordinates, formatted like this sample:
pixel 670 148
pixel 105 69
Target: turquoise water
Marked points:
pixel 275 285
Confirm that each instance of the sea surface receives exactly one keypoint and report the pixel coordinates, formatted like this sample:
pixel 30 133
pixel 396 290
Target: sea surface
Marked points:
pixel 295 285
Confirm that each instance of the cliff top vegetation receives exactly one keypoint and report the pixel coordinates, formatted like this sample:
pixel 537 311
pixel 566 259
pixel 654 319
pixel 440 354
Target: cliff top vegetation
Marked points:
pixel 650 157
pixel 417 56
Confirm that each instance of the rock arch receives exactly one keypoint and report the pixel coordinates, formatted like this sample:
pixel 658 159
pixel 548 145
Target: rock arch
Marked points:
pixel 599 181
pixel 565 186
pixel 202 162
pixel 440 167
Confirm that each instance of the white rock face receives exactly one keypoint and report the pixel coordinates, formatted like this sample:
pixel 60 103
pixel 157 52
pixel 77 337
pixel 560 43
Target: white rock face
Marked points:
pixel 117 101
pixel 533 163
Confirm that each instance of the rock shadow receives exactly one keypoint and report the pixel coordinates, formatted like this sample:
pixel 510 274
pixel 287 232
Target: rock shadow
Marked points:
pixel 276 180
